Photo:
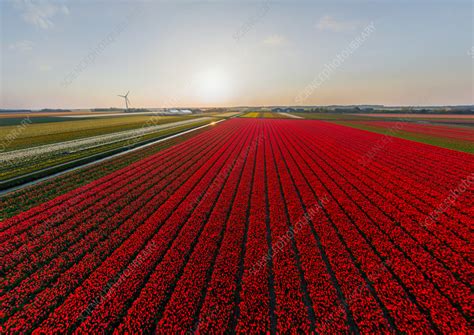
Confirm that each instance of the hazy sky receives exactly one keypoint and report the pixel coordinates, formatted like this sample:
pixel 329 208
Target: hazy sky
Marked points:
pixel 82 53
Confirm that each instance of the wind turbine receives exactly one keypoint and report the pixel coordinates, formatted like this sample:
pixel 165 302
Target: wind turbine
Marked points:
pixel 126 99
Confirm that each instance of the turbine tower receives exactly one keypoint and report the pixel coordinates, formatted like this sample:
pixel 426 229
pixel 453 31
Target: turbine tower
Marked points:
pixel 126 100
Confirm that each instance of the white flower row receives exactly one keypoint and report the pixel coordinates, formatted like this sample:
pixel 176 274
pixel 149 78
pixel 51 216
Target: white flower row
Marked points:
pixel 22 156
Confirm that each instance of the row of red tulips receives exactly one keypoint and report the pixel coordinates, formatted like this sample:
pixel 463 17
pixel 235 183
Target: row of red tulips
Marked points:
pixel 126 220
pixel 345 274
pixel 181 233
pixel 415 208
pixel 179 314
pixel 104 203
pixel 218 308
pixel 434 173
pixel 457 133
pixel 141 196
pixel 19 201
pixel 254 302
pixel 366 211
pixel 41 215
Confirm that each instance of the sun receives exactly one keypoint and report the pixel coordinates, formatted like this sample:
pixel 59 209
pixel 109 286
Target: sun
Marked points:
pixel 212 85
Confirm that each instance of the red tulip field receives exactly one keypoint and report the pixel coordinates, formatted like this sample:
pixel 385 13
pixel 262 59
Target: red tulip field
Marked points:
pixel 455 137
pixel 253 226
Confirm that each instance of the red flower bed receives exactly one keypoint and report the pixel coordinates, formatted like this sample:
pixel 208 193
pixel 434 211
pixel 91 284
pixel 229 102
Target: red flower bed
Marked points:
pixel 253 226
pixel 52 270
pixel 457 133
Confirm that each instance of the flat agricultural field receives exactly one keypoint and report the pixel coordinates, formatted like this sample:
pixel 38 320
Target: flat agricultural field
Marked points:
pixel 253 226
pixel 69 129
pixel 454 119
pixel 16 202
pixel 41 149
pixel 420 115
pixel 333 116
pixel 445 136
pixel 265 115
pixel 449 119
pixel 34 114
pixel 224 114
pixel 251 115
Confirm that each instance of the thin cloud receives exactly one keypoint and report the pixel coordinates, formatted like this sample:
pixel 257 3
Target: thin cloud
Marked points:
pixel 40 13
pixel 274 40
pixel 328 23
pixel 45 68
pixel 24 45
